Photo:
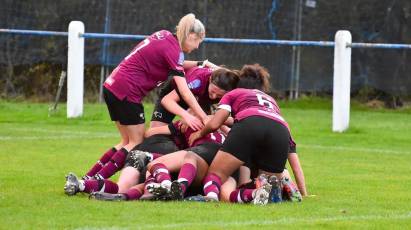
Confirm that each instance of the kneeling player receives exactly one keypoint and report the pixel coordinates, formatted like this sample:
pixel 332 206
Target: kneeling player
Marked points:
pixel 260 134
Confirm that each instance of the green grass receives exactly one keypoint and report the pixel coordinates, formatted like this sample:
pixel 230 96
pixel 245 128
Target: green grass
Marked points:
pixel 360 178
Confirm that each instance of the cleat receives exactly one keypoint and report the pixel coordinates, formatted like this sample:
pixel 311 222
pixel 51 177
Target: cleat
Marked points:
pixel 290 191
pixel 138 159
pixel 176 191
pixel 200 198
pixel 159 192
pixel 276 190
pixel 261 180
pixel 157 189
pixel 107 196
pixel 72 184
pixel 262 194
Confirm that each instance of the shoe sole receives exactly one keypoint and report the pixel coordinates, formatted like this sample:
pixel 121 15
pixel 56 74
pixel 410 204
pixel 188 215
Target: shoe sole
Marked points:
pixel 111 197
pixel 70 188
pixel 176 192
pixel 262 195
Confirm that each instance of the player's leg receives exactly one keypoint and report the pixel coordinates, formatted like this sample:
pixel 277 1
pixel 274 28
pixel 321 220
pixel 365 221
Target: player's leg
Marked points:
pixel 227 188
pixel 223 165
pixel 135 135
pixel 160 169
pixel 134 193
pixel 74 185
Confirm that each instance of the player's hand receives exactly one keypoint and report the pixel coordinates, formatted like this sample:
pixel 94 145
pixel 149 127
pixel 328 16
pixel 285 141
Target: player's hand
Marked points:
pixel 193 137
pixel 210 65
pixel 193 122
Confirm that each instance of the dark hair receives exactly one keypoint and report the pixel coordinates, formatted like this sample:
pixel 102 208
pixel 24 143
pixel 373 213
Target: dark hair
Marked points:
pixel 254 77
pixel 225 79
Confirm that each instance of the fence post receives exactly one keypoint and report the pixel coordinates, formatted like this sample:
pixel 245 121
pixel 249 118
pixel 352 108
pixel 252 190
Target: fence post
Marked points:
pixel 342 81
pixel 75 70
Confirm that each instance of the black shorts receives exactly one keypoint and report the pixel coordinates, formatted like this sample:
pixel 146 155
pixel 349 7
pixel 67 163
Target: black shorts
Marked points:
pixel 159 143
pixel 206 151
pixel 259 142
pixel 123 111
pixel 162 114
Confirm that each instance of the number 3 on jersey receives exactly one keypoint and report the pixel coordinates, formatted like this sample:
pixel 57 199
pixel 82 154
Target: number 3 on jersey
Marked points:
pixel 264 101
pixel 144 44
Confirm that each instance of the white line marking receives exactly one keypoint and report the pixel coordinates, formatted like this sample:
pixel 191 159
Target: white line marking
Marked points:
pixel 55 134
pixel 287 221
pixel 360 149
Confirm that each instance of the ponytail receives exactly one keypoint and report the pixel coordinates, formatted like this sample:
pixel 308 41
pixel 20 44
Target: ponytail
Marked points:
pixel 189 24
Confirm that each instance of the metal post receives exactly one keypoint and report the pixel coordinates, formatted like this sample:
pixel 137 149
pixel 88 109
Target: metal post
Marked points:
pixel 298 61
pixel 103 68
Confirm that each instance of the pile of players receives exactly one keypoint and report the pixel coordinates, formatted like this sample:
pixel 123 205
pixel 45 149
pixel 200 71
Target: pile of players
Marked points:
pixel 230 144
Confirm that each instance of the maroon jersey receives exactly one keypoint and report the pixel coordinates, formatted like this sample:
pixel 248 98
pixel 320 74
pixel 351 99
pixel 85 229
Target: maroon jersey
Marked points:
pixel 146 67
pixel 215 137
pixel 243 103
pixel 198 80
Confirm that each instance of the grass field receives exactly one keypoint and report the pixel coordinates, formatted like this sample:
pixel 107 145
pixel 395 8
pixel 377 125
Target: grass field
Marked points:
pixel 360 179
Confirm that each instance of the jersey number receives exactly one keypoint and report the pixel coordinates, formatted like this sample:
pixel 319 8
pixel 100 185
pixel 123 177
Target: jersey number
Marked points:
pixel 145 43
pixel 264 101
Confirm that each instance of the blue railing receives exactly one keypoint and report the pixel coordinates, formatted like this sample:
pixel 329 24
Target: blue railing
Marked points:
pixel 214 40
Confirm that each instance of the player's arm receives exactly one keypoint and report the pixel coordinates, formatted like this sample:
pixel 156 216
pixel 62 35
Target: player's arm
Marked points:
pixel 170 102
pixel 191 101
pixel 190 64
pixel 212 125
pixel 298 172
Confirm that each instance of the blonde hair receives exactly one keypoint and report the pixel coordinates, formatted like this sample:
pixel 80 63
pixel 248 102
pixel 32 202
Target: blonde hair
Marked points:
pixel 189 24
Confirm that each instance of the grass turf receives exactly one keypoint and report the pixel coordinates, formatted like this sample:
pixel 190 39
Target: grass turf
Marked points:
pixel 359 179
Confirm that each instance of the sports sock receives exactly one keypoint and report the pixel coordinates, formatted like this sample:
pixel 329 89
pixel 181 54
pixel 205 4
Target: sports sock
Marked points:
pixel 101 162
pixel 161 174
pixel 241 196
pixel 212 185
pixel 150 179
pixel 186 176
pixel 133 194
pixel 115 164
pixel 100 186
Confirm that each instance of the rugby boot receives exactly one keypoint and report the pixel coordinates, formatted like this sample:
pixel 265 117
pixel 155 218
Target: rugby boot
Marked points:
pixel 72 185
pixel 290 191
pixel 276 190
pixel 200 198
pixel 108 196
pixel 262 194
pixel 138 159
pixel 176 191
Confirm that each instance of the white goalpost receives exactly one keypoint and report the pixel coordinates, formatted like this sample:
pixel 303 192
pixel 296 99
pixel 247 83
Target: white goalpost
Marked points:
pixel 75 70
pixel 342 81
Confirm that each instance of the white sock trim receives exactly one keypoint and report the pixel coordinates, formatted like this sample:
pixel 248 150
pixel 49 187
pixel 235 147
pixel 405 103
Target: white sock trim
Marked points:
pixel 212 195
pixel 160 170
pixel 81 185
